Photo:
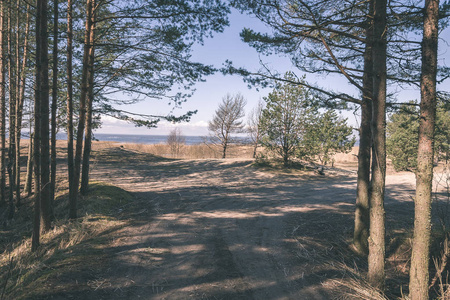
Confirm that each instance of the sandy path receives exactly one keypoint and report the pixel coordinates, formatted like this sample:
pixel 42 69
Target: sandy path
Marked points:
pixel 213 229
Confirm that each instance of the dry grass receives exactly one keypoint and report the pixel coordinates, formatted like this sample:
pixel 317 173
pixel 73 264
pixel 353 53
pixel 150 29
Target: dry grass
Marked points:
pixel 63 249
pixel 199 151
pixel 205 151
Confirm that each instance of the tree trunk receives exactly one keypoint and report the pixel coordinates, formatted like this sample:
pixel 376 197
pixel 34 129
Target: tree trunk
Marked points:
pixel 420 257
pixel 36 161
pixel 70 162
pixel 89 105
pixel 255 148
pixel 83 96
pixel 29 176
pixel 12 121
pixel 37 184
pixel 376 273
pixel 20 91
pixel 2 108
pixel 18 120
pixel 54 100
pixel 362 217
pixel 42 116
pixel 224 153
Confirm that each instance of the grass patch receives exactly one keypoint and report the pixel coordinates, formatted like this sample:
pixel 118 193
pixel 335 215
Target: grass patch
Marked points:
pixel 104 199
pixel 277 165
pixel 70 254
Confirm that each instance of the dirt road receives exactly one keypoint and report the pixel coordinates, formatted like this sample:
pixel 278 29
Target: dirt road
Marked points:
pixel 223 229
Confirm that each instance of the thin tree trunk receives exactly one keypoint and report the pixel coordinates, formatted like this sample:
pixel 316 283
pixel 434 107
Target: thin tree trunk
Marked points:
pixel 376 272
pixel 42 116
pixel 255 147
pixel 84 92
pixel 362 217
pixel 36 151
pixel 20 91
pixel 70 162
pixel 35 238
pixel 2 108
pixel 420 257
pixel 29 176
pixel 54 100
pixel 18 111
pixel 89 105
pixel 224 153
pixel 12 121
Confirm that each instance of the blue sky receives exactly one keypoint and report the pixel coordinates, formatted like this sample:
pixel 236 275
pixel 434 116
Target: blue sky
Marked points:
pixel 216 51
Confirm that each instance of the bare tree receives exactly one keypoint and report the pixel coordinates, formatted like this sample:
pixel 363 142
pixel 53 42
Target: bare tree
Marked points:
pixel 228 119
pixel 176 141
pixel 253 125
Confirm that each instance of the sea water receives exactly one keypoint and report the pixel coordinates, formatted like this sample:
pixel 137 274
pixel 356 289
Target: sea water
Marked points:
pixel 146 139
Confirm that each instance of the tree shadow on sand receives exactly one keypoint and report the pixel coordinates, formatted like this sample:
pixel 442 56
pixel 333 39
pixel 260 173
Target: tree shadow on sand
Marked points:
pixel 223 229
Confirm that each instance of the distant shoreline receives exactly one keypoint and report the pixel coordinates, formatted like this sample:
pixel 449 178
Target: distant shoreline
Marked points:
pixel 145 139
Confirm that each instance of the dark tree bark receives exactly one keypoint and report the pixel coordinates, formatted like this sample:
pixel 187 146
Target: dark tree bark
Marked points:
pixel 29 176
pixel 89 105
pixel 420 257
pixel 35 239
pixel 42 115
pixel 376 272
pixel 54 100
pixel 70 162
pixel 20 92
pixel 18 121
pixel 83 96
pixel 362 217
pixel 12 116
pixel 2 108
pixel 224 151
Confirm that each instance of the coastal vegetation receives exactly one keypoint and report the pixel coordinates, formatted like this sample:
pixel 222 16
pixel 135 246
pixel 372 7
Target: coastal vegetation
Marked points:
pixel 175 228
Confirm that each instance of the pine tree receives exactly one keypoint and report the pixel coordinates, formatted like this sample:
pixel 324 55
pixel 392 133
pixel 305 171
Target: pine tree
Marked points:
pixel 402 138
pixel 327 134
pixel 283 124
pixel 420 256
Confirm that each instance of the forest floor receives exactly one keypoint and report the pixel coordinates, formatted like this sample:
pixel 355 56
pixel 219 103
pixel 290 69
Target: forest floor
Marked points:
pixel 223 229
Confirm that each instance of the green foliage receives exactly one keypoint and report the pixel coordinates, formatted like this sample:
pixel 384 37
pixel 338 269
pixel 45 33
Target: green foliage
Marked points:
pixel 144 47
pixel 326 135
pixel 442 133
pixel 143 51
pixel 293 126
pixel 402 135
pixel 282 122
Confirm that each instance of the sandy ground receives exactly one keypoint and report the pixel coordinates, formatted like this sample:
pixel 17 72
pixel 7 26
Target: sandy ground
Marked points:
pixel 224 229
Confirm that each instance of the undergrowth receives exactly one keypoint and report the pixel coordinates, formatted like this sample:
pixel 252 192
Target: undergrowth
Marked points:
pixel 66 250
